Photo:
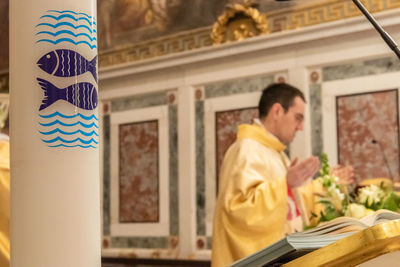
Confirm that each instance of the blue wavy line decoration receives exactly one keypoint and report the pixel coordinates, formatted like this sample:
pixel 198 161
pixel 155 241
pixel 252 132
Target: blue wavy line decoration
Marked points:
pixel 57 130
pixel 69 117
pixel 86 142
pixel 69 22
pixel 69 125
pixel 62 145
pixel 70 11
pixel 67 40
pixel 70 17
pixel 66 24
pixel 68 32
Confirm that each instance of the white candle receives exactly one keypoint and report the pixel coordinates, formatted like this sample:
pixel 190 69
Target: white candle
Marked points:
pixel 55 198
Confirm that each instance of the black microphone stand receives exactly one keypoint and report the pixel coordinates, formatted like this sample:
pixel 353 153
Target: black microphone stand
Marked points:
pixel 386 37
pixel 392 44
pixel 384 158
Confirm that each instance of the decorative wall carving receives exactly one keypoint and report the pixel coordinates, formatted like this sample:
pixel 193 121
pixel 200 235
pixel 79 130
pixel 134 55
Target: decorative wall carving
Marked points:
pixel 239 22
pixel 280 20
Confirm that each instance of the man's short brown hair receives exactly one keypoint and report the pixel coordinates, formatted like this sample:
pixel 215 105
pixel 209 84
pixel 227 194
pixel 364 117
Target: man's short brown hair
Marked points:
pixel 281 93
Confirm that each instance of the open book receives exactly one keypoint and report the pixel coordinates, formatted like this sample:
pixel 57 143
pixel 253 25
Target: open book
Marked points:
pixel 298 244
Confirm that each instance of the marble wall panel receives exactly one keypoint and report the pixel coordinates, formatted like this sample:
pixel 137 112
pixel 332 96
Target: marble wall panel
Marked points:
pixel 226 130
pixel 240 86
pixel 151 242
pixel 139 242
pixel 106 175
pixel 360 68
pixel 316 119
pixel 173 170
pixel 363 152
pixel 138 101
pixel 138 172
pixel 368 134
pixel 200 169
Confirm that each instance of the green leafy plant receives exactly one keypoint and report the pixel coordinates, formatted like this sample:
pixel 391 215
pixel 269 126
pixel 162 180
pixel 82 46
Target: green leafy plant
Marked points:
pixel 342 200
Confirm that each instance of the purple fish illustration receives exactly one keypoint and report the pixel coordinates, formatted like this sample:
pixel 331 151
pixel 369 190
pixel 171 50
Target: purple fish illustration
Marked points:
pixel 67 63
pixel 82 95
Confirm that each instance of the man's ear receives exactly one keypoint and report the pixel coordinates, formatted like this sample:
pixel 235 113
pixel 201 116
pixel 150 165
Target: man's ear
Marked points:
pixel 276 110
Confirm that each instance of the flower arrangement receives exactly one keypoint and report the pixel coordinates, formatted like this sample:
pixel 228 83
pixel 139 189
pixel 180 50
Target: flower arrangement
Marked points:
pixel 353 201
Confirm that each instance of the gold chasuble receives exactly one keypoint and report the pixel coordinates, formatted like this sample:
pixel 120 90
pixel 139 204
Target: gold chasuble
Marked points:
pixel 252 206
pixel 4 203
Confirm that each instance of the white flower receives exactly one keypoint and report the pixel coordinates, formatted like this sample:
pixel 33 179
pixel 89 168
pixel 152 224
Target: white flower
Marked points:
pixel 328 180
pixel 357 211
pixel 370 194
pixel 336 196
pixel 335 192
pixel 332 189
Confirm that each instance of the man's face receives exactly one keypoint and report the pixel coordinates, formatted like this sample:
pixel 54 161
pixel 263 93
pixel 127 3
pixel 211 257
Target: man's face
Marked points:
pixel 291 121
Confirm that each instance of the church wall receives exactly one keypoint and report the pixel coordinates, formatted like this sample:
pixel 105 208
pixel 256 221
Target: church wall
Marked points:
pixel 152 180
pixel 377 121
pixel 167 120
pixel 375 153
pixel 201 96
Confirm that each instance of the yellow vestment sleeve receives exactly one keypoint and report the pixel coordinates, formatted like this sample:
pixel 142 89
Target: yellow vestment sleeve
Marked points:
pixel 4 204
pixel 252 206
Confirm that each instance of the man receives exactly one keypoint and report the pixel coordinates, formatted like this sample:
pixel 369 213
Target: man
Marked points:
pixel 256 206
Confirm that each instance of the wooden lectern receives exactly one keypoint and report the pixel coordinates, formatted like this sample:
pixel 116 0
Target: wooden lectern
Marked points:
pixel 378 245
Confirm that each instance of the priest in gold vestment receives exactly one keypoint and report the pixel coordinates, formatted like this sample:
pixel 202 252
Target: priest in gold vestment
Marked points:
pixel 4 202
pixel 260 197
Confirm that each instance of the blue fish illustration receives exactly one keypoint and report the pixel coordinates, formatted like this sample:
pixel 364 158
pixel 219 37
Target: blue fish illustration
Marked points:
pixel 67 63
pixel 82 95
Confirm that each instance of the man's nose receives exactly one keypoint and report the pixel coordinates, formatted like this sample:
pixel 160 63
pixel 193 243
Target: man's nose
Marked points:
pixel 300 126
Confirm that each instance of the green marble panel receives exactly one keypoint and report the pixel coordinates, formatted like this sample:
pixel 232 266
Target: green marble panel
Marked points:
pixel 316 119
pixel 173 171
pixel 209 243
pixel 240 86
pixel 106 175
pixel 139 101
pixel 139 242
pixel 200 174
pixel 360 68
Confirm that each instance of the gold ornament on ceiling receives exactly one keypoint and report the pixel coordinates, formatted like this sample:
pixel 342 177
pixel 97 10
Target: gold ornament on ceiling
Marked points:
pixel 302 16
pixel 238 22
